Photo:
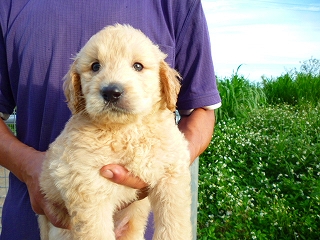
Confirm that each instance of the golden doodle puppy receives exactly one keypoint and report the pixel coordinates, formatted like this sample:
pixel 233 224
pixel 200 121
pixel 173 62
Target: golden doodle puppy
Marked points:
pixel 122 96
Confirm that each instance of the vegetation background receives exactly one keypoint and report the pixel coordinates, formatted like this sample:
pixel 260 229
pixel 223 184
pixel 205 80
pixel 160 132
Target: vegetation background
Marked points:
pixel 260 176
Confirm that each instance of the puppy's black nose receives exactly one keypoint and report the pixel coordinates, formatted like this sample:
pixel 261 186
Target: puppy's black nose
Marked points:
pixel 112 93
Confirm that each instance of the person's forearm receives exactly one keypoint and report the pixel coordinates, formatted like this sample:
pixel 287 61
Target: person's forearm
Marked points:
pixel 14 154
pixel 198 130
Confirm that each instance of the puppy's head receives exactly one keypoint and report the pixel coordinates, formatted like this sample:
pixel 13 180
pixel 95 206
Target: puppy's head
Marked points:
pixel 120 75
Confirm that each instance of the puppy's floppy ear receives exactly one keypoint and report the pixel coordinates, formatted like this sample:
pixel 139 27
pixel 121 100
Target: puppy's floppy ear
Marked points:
pixel 170 86
pixel 73 91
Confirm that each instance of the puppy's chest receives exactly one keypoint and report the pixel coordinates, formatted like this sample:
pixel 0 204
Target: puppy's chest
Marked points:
pixel 125 147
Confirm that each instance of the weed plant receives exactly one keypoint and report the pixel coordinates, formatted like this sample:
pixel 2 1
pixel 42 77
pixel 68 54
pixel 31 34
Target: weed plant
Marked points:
pixel 259 178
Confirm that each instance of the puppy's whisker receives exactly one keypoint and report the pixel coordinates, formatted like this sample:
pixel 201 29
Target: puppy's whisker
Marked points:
pixel 106 104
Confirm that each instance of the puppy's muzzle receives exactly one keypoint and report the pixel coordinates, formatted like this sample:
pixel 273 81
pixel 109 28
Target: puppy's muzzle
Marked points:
pixel 112 93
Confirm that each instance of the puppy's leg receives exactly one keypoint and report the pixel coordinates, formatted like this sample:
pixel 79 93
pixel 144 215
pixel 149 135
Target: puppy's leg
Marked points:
pixel 136 215
pixel 92 220
pixel 44 227
pixel 170 202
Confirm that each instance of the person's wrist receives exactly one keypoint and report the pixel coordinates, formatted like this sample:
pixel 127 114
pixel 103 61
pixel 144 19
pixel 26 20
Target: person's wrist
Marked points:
pixel 30 164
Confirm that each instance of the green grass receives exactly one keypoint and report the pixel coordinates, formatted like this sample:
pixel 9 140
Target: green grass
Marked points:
pixel 295 87
pixel 260 176
pixel 239 97
pixel 12 128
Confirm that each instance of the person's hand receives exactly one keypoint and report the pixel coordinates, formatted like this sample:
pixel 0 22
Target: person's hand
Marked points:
pixel 120 175
pixel 39 204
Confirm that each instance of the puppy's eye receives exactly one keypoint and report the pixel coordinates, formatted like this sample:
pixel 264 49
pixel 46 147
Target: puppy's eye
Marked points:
pixel 95 66
pixel 137 66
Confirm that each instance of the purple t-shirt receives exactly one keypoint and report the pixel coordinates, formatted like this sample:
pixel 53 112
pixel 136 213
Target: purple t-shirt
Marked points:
pixel 38 40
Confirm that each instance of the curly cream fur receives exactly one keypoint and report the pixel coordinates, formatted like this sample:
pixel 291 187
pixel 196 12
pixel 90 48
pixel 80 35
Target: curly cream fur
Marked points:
pixel 138 132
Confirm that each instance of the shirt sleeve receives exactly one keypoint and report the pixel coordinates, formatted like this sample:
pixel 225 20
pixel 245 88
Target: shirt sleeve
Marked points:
pixel 194 61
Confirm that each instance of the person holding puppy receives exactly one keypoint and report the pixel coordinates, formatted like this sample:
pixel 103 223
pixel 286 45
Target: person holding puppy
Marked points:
pixel 38 40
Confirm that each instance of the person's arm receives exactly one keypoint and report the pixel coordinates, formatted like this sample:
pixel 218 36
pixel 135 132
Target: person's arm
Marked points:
pixel 13 153
pixel 25 163
pixel 198 129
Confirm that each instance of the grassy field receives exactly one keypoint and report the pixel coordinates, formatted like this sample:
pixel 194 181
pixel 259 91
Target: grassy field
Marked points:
pixel 260 176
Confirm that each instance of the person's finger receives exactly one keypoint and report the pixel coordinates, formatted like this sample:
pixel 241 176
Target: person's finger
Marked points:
pixel 37 209
pixel 120 175
pixel 59 223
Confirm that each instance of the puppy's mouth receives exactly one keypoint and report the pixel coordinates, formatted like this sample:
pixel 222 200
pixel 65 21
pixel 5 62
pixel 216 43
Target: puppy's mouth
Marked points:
pixel 114 107
pixel 113 95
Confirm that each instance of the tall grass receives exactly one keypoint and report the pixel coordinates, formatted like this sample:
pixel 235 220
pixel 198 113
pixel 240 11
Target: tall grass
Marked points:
pixel 295 87
pixel 239 97
pixel 260 176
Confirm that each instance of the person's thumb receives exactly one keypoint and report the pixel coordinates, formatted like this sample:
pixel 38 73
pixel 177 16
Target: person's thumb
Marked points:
pixel 120 175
